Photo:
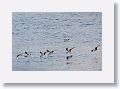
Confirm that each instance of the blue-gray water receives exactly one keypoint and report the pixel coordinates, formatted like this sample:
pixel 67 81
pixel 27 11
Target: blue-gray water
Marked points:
pixel 35 32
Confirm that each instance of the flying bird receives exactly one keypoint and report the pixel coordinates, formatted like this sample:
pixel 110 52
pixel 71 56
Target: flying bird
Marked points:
pixel 51 52
pixel 69 50
pixel 95 49
pixel 27 54
pixel 69 57
pixel 41 54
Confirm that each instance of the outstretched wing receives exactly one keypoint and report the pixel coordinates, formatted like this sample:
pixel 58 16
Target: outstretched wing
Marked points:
pixel 48 50
pixel 72 48
pixel 41 53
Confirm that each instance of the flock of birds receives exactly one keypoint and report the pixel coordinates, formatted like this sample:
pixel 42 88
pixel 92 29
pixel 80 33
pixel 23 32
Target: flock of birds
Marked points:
pixel 49 52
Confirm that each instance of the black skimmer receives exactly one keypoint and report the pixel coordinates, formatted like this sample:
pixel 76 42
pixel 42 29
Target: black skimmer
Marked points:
pixel 69 50
pixel 66 40
pixel 41 54
pixel 95 49
pixel 69 57
pixel 27 54
pixel 44 53
pixel 51 52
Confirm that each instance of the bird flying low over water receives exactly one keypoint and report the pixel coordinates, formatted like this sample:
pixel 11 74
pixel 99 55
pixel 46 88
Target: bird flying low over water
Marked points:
pixel 69 50
pixel 51 52
pixel 42 53
pixel 48 52
pixel 69 57
pixel 66 40
pixel 95 49
pixel 26 54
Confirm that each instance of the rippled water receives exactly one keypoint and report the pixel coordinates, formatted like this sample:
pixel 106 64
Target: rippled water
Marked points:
pixel 35 32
